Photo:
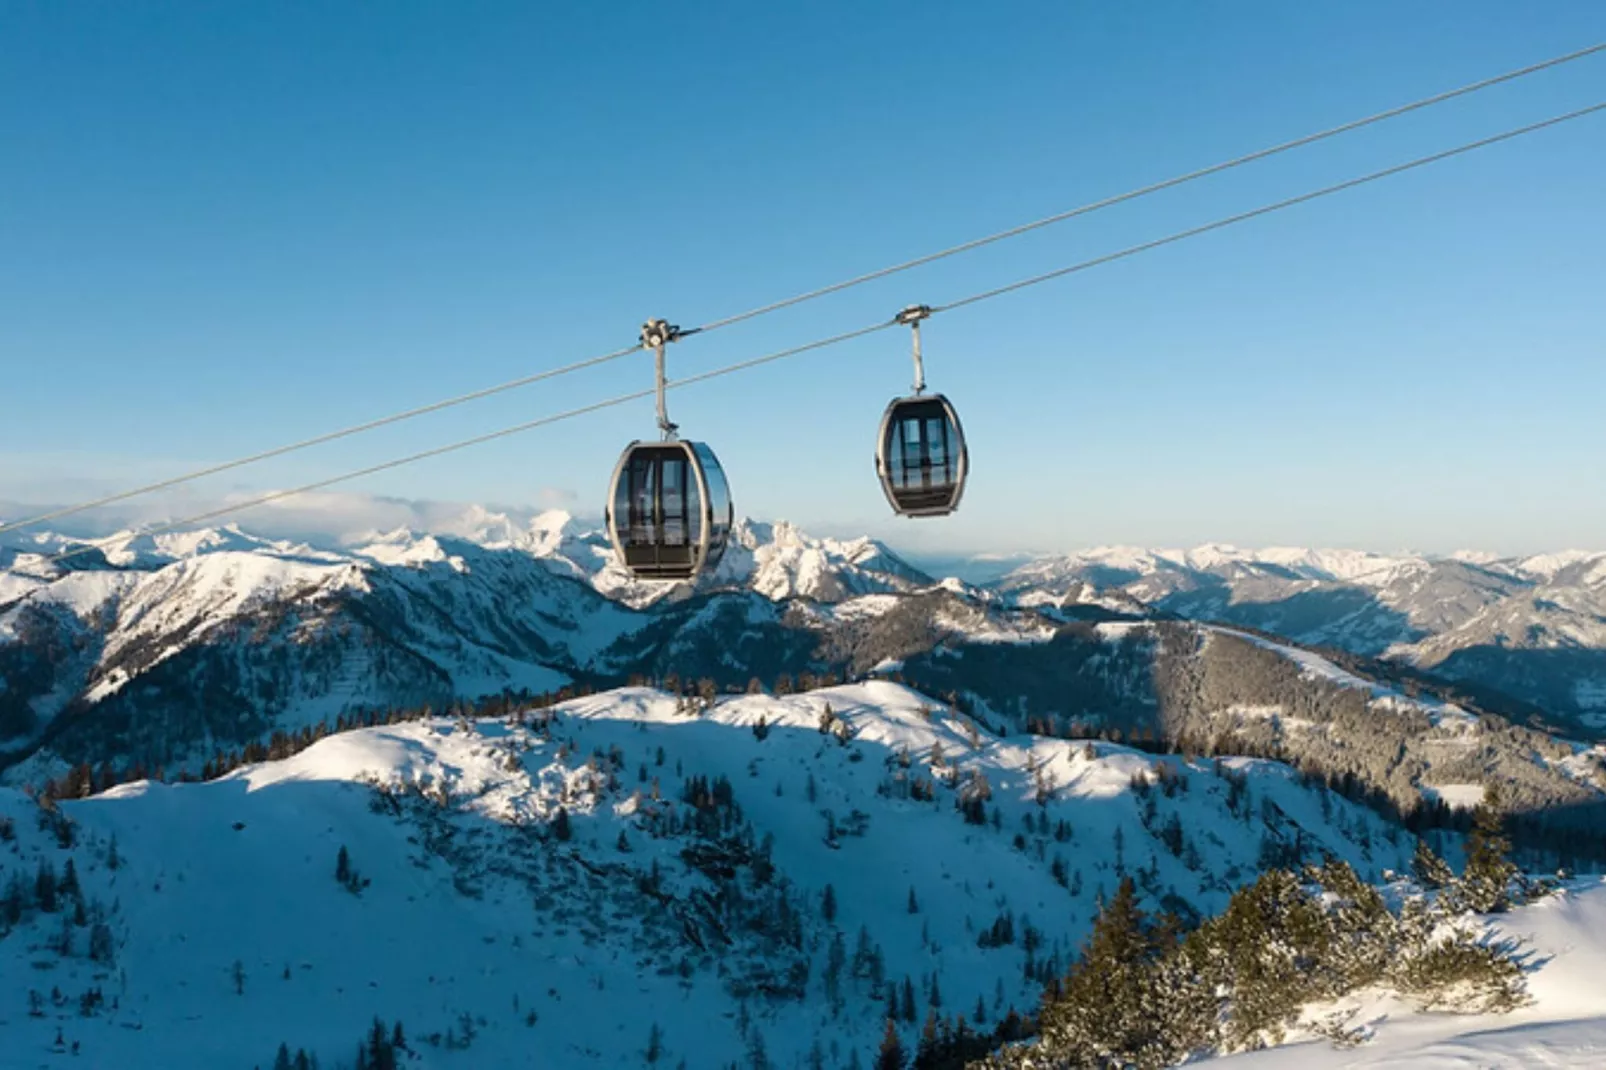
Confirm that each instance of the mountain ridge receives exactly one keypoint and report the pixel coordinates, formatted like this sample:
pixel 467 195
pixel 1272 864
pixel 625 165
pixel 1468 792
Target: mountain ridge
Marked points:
pixel 172 651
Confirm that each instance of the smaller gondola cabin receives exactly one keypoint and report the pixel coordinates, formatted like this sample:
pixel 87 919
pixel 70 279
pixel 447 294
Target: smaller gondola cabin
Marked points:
pixel 921 456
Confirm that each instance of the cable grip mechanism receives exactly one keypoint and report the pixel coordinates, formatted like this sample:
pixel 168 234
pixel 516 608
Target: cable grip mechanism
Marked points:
pixel 912 315
pixel 655 335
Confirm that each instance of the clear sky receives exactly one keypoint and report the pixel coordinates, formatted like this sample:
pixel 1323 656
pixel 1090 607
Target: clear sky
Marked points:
pixel 224 226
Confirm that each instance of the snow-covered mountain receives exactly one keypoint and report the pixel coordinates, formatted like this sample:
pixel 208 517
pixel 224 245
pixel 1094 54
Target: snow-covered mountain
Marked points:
pixel 1534 627
pixel 525 892
pixel 174 650
pixel 476 912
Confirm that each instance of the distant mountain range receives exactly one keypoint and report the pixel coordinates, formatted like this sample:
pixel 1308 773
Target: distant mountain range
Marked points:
pixel 1533 627
pixel 169 649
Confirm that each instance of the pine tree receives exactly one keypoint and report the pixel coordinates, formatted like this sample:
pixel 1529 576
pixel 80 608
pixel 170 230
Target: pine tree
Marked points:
pixel 655 1045
pixel 1485 886
pixel 1430 870
pixel 1273 936
pixel 281 1061
pixel 907 1007
pixel 101 946
pixel 1102 1015
pixel 914 904
pixel 63 943
pixel 15 899
pixel 890 1055
pixel 926 1049
pixel 863 954
pixel 561 829
pixel 44 887
pixel 381 1052
pixel 343 866
pixel 1362 933
pixel 757 1057
pixel 836 958
pixel 828 904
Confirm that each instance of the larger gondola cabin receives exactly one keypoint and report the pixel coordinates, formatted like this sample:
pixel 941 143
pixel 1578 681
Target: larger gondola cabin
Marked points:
pixel 670 511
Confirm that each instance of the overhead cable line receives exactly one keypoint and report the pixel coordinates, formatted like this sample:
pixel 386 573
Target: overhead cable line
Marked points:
pixel 316 440
pixel 1421 161
pixel 810 295
pixel 479 439
pixel 1109 202
pixel 860 332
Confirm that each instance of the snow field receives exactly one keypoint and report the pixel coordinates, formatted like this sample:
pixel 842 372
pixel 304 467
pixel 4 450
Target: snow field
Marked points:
pixel 467 911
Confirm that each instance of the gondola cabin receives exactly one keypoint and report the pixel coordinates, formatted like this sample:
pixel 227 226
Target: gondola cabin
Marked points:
pixel 669 511
pixel 921 457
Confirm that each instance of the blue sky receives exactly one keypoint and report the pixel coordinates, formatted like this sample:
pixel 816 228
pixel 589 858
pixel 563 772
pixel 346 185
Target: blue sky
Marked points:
pixel 226 226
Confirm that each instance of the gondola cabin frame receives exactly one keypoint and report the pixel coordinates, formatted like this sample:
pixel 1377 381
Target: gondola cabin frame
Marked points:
pixel 907 478
pixel 653 539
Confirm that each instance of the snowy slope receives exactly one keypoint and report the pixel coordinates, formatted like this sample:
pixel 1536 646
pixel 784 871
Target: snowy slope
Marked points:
pixel 1564 1027
pixel 228 642
pixel 1530 627
pixel 556 951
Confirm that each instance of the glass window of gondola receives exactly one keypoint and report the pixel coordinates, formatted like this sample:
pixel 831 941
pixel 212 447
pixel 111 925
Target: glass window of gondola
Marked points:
pixel 658 509
pixel 720 509
pixel 922 444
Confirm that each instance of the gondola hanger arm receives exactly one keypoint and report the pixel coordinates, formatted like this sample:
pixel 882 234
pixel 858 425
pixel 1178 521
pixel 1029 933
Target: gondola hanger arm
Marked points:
pixel 655 335
pixel 912 315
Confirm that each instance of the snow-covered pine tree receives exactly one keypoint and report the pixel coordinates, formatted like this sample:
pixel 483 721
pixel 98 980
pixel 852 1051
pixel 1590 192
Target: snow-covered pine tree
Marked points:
pixel 1272 936
pixel 1101 1016
pixel 1485 885
pixel 1362 932
pixel 1429 869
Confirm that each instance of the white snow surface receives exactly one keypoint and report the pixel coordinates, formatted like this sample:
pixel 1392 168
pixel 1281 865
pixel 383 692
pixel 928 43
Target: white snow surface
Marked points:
pixel 466 910
pixel 1455 796
pixel 1564 937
